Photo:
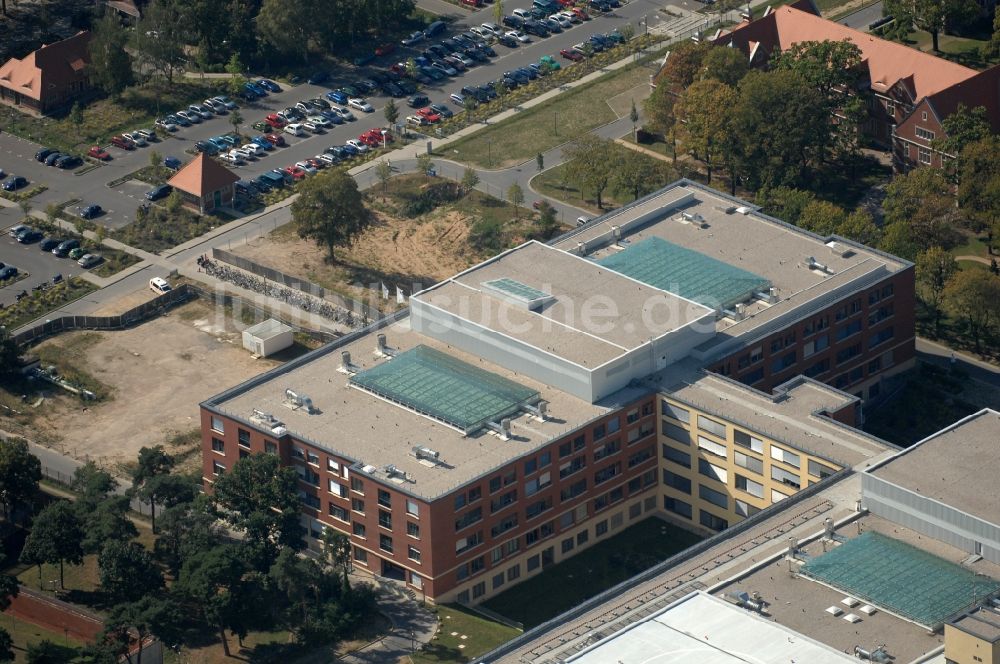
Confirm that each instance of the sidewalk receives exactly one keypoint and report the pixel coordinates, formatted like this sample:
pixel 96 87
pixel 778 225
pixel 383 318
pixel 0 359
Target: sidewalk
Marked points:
pixel 413 626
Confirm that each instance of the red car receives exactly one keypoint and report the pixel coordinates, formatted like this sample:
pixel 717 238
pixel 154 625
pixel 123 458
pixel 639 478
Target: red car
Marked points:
pixel 275 121
pixel 97 152
pixel 580 14
pixel 318 164
pixel 277 140
pixel 385 49
pixel 570 54
pixel 122 142
pixel 429 115
pixel 296 172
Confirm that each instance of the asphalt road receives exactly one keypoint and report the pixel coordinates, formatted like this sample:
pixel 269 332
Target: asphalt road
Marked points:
pixel 861 19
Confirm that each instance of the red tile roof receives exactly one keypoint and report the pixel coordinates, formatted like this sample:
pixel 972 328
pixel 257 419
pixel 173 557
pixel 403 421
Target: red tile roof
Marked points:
pixel 51 67
pixel 202 177
pixel 888 62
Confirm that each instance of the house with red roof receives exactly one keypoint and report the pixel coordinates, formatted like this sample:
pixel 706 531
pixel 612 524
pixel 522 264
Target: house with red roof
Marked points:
pixel 204 184
pixel 911 92
pixel 50 78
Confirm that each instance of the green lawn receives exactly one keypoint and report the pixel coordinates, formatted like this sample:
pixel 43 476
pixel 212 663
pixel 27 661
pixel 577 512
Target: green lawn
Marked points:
pixel 974 245
pixel 547 125
pixel 24 633
pixel 964 50
pixel 592 571
pixel 482 635
pixel 930 401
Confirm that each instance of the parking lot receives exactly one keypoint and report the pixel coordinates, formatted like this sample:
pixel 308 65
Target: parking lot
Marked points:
pixel 41 266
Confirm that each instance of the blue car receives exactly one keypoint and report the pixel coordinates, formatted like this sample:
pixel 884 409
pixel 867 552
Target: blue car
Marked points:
pixel 269 85
pixel 173 163
pixel 262 142
pixel 338 151
pixel 350 149
pixel 338 96
pixel 258 89
pixel 335 118
pixel 219 143
pixel 317 77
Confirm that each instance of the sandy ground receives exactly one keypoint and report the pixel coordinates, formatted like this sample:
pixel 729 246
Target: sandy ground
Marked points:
pixel 396 251
pixel 158 373
pixel 125 302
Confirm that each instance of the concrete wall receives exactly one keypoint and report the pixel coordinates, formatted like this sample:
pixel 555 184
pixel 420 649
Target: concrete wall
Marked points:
pixel 930 517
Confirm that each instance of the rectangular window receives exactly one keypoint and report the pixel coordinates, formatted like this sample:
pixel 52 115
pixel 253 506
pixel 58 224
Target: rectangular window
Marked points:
pixel 338 512
pixel 413 553
pixel 676 456
pixel 466 543
pixel 816 469
pixel 479 590
pixel 412 507
pixel 217 468
pixel 779 454
pixel 531 487
pixel 785 477
pixel 676 412
pixel 460 501
pixel 674 432
pixel 745 509
pixel 677 507
pixel 504 525
pixel 361 556
pixel 312 458
pixel 715 497
pixel 777 496
pixel 847 330
pixel 876 316
pixel 845 354
pixel 530 466
pixel 567 545
pixel 498 580
pixel 711 426
pixel 243 437
pixel 712 471
pixel 384 498
pixel 357 485
pixel 880 337
pixel 218 445
pixel 385 543
pixel 217 425
pixel 641 456
pixel 309 500
pixel 712 447
pixel 925 134
pixel 514 573
pixel 469 518
pixel 600 431
pixel 358 505
pixel 270 448
pixel 709 520
pixel 332 465
pixel 632 416
pixel 573 490
pixel 677 482
pixel 412 529
pixel 503 501
pixel 755 489
pixel 601 528
pixel 544 459
pixel 475 493
pixel 385 519
pixel 749 462
pixel 358 529
pixel 572 466
pixel 924 155
pixel 779 364
pixel 605 474
pixel 749 441
pixel 534 509
pixel 607 449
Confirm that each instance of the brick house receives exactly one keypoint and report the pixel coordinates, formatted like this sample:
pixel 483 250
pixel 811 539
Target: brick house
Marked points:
pixel 910 92
pixel 48 79
pixel 204 184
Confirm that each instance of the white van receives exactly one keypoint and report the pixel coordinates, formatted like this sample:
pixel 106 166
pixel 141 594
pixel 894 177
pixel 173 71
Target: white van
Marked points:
pixel 159 285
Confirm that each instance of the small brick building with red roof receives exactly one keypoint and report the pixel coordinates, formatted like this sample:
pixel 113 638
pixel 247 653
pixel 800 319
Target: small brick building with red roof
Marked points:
pixel 204 184
pixel 50 78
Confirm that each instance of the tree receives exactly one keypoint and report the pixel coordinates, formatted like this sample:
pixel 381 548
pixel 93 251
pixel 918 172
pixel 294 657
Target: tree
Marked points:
pixel 391 112
pixel 107 520
pixel 822 217
pixel 236 119
pixel 110 63
pixel 6 642
pixel 979 182
pixel 974 297
pixel 76 115
pixel 152 462
pixel 235 70
pixel 9 589
pixel 56 537
pixel 547 224
pixel 337 549
pixel 208 581
pixel 922 199
pixel 424 163
pixel 149 615
pixel 44 652
pixel 827 66
pixel 383 170
pixel 860 227
pixel 588 163
pixel 168 490
pixel 660 115
pixel 935 268
pixel 469 104
pixel 261 498
pixel 498 12
pixel 185 529
pixel 633 115
pixel 991 48
pixel 540 162
pixel 726 65
pixel 682 66
pixel 501 89
pixel 516 196
pixel 469 179
pixel 706 125
pixel 962 128
pixel 20 472
pixel 286 27
pixel 785 203
pixel 897 239
pixel 158 42
pixel 632 173
pixel 934 16
pixel 127 571
pixel 330 210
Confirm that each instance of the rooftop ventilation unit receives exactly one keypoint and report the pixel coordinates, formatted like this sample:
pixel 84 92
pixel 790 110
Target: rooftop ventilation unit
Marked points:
pixel 743 209
pixel 751 601
pixel 616 233
pixel 502 429
pixel 346 367
pixel 382 348
pixel 395 473
pixel 878 654
pixel 539 410
pixel 737 313
pixel 295 401
pixel 694 219
pixel 813 264
pixel 838 249
pixel 427 456
pixel 268 420
pixel 770 295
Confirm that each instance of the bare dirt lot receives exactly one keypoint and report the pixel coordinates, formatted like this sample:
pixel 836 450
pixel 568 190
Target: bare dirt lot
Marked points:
pixel 155 375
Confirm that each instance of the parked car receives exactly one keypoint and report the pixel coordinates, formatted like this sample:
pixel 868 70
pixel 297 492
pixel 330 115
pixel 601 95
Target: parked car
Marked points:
pixel 269 85
pixel 580 13
pixel 306 166
pixel 76 253
pixel 418 101
pixel 215 106
pixel 8 272
pixel 158 192
pixel 68 161
pixel 442 110
pixel 317 77
pixel 166 124
pixel 414 38
pixel 296 172
pixel 277 140
pixel 64 247
pixel 173 163
pixel 52 158
pixel 28 236
pixel 88 261
pixel 227 102
pixel 319 121
pixel 295 129
pixel 192 118
pixel 357 145
pixel 360 104
pixel 178 120
pixel 43 154
pixel 519 36
pixel 206 147
pixel 548 62
pixel 428 114
pixel 15 182
pixel 416 121
pixel 159 285
pixel 50 243
pixel 91 211
pixel 571 54
pixel 338 96
pixel 97 152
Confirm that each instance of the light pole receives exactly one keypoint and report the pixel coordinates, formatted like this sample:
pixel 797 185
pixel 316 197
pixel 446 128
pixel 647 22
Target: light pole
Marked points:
pixel 384 132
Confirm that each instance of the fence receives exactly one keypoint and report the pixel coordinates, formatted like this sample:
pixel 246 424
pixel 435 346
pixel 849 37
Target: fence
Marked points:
pixel 154 307
pixel 297 283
